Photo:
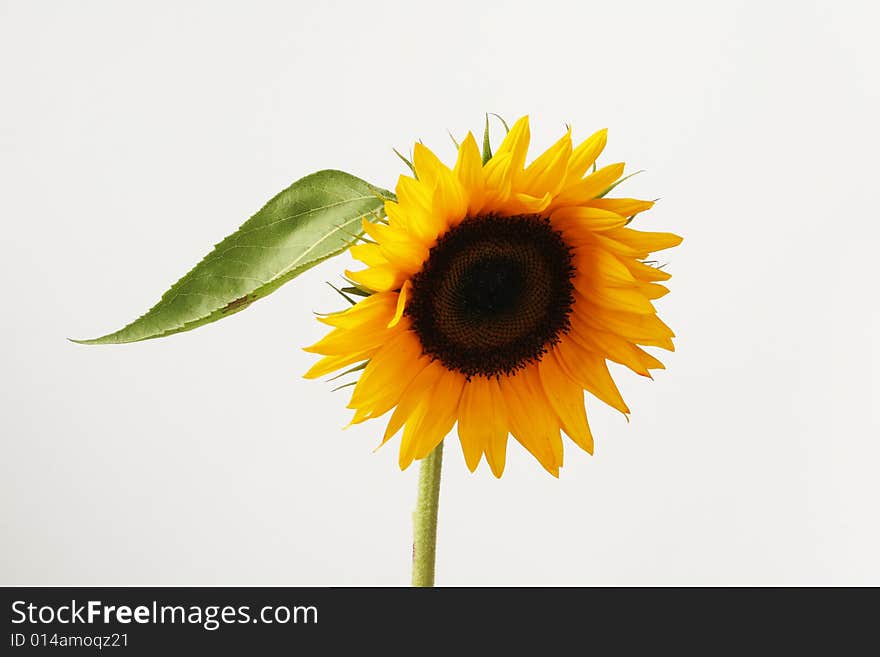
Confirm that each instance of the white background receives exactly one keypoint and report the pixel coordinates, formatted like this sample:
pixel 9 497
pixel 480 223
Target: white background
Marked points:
pixel 133 136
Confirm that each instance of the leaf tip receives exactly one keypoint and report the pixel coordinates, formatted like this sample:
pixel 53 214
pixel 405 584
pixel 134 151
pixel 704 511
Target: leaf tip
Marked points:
pixel 90 341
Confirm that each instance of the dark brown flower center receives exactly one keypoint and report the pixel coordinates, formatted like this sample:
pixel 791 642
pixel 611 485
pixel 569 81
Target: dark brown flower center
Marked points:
pixel 494 294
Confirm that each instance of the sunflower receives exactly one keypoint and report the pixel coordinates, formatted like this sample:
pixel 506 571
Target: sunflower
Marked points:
pixel 493 295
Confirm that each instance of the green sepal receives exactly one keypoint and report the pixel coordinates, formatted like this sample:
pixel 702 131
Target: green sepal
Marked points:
pixel 356 291
pixel 487 145
pixel 407 162
pixel 625 178
pixel 503 122
pixel 350 370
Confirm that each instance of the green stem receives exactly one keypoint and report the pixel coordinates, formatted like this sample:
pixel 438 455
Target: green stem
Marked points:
pixel 425 519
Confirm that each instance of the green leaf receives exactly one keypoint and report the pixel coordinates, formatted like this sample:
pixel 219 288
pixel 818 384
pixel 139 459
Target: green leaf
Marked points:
pixel 317 217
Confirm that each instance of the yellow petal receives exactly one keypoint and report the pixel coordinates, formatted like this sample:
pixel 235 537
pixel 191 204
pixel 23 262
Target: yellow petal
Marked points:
pixel 642 329
pixel 482 423
pixel 411 397
pixel 332 363
pixel 519 203
pixel 442 412
pixel 592 219
pixel 567 400
pixel 611 346
pixel 545 411
pixel 516 145
pixel 649 361
pixel 602 267
pixel 396 215
pixel 413 194
pixel 450 201
pixel 645 272
pixel 546 175
pixel 585 154
pixel 411 431
pixel 407 255
pixel 370 309
pixel 588 370
pixel 387 375
pixel 415 200
pixel 379 279
pixel 401 304
pixel 369 254
pixel 498 182
pixel 590 187
pixel 360 415
pixel 645 241
pixel 469 169
pixel 653 290
pixel 428 166
pixel 626 207
pixel 392 367
pixel 364 329
pixel 395 245
pixel 341 341
pixel 497 423
pixel 376 231
pixel 618 248
pixel 475 400
pixel 432 418
pixel 616 298
pixel 532 422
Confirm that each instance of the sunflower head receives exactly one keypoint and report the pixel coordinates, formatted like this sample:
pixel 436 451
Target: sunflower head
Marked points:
pixel 494 293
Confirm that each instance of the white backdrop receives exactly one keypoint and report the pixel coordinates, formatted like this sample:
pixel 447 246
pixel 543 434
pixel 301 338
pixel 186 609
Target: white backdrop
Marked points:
pixel 133 136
